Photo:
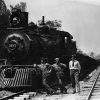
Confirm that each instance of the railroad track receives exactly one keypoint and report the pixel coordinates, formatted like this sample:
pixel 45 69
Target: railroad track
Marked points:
pixel 91 88
pixel 11 97
pixel 95 90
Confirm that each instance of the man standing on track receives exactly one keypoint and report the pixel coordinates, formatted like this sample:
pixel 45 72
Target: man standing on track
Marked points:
pixel 45 68
pixel 58 67
pixel 75 68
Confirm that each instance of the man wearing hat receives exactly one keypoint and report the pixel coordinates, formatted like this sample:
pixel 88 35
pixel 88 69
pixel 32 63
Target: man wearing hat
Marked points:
pixel 75 68
pixel 58 67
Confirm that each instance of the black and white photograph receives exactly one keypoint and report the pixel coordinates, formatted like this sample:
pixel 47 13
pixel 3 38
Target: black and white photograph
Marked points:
pixel 49 49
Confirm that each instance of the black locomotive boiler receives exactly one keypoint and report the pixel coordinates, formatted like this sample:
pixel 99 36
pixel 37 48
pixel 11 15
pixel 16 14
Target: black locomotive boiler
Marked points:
pixel 22 46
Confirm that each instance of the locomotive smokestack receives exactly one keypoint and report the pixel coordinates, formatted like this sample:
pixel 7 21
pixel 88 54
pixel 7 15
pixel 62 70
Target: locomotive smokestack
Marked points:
pixel 43 20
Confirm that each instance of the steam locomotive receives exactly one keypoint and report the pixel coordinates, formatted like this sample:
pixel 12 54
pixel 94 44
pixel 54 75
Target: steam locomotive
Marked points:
pixel 22 45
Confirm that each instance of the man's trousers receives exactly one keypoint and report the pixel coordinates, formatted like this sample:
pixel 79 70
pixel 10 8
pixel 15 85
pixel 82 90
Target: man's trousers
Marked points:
pixel 74 74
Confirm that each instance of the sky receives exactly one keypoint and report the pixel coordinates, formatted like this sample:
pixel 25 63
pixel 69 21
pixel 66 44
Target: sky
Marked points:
pixel 81 18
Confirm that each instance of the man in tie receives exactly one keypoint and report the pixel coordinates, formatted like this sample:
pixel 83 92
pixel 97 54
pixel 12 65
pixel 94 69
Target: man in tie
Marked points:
pixel 75 68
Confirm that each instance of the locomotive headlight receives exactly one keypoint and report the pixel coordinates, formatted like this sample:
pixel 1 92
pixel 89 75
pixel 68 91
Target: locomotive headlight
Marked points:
pixel 16 20
pixel 65 40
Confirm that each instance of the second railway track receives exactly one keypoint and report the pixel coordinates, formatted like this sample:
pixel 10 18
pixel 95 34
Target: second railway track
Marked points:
pixel 91 89
pixel 95 90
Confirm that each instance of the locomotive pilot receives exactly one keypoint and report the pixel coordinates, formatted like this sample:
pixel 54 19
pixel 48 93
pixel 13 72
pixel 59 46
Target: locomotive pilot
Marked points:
pixel 58 67
pixel 45 67
pixel 75 68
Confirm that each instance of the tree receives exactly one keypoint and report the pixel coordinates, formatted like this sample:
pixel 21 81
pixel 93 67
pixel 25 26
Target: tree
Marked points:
pixel 52 23
pixel 21 6
pixel 32 26
pixel 92 54
pixel 79 51
pixel 4 14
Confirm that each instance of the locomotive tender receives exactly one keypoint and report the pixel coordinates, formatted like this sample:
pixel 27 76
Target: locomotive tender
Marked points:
pixel 21 46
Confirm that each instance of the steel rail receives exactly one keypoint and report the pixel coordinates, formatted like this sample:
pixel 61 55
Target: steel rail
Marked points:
pixel 90 93
pixel 13 95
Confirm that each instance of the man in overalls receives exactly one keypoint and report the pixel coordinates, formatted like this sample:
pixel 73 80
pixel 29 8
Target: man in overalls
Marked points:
pixel 44 66
pixel 58 67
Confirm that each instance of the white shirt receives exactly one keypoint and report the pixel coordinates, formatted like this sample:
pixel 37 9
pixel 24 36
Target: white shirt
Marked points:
pixel 74 65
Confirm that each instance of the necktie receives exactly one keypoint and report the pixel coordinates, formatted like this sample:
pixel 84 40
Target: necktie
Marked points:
pixel 73 63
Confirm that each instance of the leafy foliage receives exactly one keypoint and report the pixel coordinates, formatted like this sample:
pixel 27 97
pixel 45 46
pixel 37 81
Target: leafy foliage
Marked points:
pixel 32 26
pixel 52 23
pixel 4 14
pixel 21 5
